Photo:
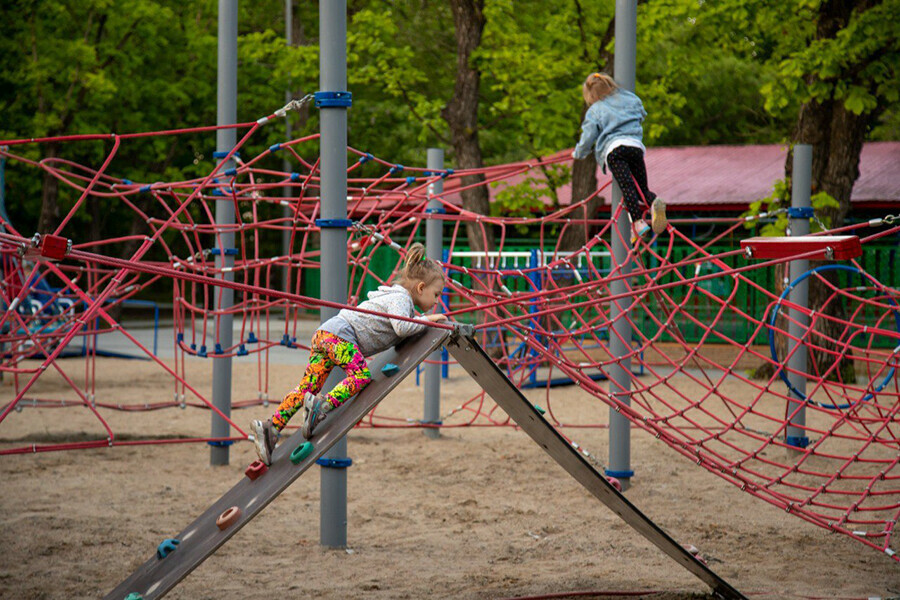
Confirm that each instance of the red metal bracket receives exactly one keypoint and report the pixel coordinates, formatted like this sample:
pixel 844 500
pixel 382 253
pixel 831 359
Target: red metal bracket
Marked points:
pixel 54 247
pixel 828 247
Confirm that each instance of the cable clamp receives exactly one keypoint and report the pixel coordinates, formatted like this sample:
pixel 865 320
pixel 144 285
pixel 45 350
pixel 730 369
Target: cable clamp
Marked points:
pixel 334 223
pixel 618 474
pixel 334 463
pixel 333 99
pixel 801 212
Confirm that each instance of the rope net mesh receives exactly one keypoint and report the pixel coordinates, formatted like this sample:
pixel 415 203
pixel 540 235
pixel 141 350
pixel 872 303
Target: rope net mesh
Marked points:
pixel 543 312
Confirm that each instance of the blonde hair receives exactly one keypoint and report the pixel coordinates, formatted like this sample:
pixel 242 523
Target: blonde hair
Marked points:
pixel 419 267
pixel 598 86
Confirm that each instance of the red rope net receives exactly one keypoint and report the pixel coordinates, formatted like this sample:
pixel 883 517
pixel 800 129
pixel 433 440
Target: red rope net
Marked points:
pixel 543 312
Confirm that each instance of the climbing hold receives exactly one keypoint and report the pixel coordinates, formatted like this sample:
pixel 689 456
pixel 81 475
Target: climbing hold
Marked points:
pixel 615 483
pixel 134 596
pixel 390 369
pixel 228 518
pixel 256 468
pixel 691 548
pixel 301 452
pixel 165 547
pixel 538 408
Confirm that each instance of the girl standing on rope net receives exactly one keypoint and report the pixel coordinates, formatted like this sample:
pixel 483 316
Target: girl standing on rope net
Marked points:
pixel 346 339
pixel 612 127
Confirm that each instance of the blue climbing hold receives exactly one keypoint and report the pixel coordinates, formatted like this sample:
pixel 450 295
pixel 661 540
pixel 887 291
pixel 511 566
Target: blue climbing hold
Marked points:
pixel 165 547
pixel 390 369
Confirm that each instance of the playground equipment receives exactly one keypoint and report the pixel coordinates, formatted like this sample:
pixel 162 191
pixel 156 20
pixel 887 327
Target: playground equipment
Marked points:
pixel 843 479
pixel 246 499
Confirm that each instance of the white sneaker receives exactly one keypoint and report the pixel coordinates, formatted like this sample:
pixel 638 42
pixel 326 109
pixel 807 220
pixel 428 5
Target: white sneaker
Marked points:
pixel 264 438
pixel 640 231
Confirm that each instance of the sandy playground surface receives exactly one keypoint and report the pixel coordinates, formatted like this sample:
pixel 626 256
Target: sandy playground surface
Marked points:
pixel 480 513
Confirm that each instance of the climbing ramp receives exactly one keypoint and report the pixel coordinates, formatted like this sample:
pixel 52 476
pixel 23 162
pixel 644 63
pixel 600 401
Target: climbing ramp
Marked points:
pixel 245 500
pixel 478 364
pixel 177 557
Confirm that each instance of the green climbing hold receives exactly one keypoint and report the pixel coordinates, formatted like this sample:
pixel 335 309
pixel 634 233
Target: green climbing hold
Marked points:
pixel 538 408
pixel 134 596
pixel 301 452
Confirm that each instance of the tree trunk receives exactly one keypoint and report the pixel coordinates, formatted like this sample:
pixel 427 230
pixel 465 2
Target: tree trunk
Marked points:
pixel 461 114
pixel 584 183
pixel 836 136
pixel 584 171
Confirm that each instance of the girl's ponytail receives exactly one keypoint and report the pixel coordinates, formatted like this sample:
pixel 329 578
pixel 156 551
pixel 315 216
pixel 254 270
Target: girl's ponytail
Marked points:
pixel 419 267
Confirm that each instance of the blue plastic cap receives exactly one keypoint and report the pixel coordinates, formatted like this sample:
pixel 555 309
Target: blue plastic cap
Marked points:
pixel 366 158
pixel 218 349
pixel 410 179
pixel 242 350
pixel 619 474
pixel 251 339
pixel 127 182
pixel 295 176
pixel 274 147
pixel 202 351
pixel 179 338
pixel 145 188
pixel 396 169
pixel 797 441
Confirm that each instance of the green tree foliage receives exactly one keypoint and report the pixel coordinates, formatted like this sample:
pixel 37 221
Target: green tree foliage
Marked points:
pixel 732 71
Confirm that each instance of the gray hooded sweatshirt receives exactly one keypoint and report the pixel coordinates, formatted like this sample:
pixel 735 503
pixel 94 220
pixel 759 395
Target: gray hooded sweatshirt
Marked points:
pixel 373 334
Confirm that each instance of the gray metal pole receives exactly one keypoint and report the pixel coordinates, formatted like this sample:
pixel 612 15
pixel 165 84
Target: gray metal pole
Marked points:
pixel 224 297
pixel 333 153
pixel 799 320
pixel 620 336
pixel 434 238
pixel 286 211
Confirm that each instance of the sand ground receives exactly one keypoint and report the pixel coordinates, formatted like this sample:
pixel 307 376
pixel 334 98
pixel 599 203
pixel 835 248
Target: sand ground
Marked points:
pixel 481 512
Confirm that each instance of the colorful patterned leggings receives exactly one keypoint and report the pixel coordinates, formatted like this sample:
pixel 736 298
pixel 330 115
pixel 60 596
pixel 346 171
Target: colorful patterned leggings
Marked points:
pixel 627 166
pixel 328 351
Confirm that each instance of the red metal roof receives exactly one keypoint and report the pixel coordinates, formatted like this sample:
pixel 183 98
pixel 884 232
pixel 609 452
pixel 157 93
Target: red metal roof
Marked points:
pixel 710 175
pixel 730 177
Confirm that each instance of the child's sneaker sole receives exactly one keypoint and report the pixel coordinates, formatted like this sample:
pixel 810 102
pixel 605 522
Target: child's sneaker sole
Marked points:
pixel 658 220
pixel 259 440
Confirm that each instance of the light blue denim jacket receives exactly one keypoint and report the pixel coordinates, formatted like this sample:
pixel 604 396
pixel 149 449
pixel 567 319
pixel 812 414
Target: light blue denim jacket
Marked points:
pixel 619 115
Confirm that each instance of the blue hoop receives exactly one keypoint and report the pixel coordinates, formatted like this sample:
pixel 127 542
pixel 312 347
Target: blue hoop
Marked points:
pixel 774 353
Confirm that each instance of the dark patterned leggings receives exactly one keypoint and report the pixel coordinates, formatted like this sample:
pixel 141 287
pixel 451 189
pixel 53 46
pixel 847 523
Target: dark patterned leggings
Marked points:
pixel 627 166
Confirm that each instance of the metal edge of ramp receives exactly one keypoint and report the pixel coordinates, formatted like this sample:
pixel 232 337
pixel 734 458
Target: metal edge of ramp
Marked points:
pixel 482 369
pixel 203 537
